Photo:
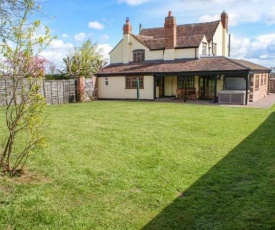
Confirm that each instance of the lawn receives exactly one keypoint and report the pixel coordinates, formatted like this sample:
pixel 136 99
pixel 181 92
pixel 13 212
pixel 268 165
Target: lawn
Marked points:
pixel 146 165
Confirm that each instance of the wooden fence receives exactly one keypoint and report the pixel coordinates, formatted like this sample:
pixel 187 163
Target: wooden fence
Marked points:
pixel 272 85
pixel 55 91
pixel 59 91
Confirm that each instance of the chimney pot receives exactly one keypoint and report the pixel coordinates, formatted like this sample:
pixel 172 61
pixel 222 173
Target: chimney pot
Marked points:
pixel 169 13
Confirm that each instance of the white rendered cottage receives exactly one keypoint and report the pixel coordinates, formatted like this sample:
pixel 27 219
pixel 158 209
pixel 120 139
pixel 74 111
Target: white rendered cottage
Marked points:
pixel 182 61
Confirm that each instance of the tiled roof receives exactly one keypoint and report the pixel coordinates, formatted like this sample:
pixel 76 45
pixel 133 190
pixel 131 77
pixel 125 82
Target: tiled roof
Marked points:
pixel 189 41
pixel 207 28
pixel 159 43
pixel 249 65
pixel 156 44
pixel 189 35
pixel 142 39
pixel 203 65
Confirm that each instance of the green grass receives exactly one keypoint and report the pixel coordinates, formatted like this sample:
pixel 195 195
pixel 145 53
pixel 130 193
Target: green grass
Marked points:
pixel 144 165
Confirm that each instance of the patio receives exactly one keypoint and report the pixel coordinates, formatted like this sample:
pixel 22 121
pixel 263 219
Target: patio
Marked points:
pixel 263 103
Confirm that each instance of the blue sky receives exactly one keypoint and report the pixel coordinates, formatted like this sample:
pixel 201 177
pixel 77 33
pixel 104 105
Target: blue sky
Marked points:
pixel 251 23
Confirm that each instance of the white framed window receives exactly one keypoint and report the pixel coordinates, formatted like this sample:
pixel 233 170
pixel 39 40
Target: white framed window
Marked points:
pixel 214 49
pixel 131 82
pixel 257 82
pixel 106 81
pixel 204 48
pixel 138 55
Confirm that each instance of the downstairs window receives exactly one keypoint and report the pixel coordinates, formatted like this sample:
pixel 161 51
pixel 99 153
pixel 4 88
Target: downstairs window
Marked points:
pixel 131 82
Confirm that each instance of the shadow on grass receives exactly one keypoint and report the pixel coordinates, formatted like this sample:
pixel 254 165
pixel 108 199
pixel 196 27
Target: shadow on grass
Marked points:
pixel 237 193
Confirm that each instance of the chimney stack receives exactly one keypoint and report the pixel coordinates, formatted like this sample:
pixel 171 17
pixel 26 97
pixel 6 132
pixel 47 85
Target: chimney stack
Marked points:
pixel 170 28
pixel 127 28
pixel 224 19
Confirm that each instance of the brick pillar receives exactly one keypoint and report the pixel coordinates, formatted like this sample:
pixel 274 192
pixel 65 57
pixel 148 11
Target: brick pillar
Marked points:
pixel 80 89
pixel 170 27
pixel 95 93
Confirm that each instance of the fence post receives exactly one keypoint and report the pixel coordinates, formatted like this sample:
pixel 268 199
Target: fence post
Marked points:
pixel 80 88
pixel 52 92
pixel 44 88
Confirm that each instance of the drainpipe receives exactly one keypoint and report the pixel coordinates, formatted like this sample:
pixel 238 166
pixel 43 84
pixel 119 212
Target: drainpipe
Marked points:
pixel 155 85
pixel 215 93
pixel 138 88
pixel 185 88
pixel 229 45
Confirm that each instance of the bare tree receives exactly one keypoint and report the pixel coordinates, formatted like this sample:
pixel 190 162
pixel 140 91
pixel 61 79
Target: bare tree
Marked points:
pixel 52 67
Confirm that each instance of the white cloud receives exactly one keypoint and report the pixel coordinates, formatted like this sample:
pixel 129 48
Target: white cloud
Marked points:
pixel 59 44
pixel 209 18
pixel 96 25
pixel 80 37
pixel 56 51
pixel 270 15
pixel 133 2
pixel 188 11
pixel 263 42
pixel 105 37
pixel 239 47
pixel 104 50
pixel 233 19
pixel 65 35
pixel 261 50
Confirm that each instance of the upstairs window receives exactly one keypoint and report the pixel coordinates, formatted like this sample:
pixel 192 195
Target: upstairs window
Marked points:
pixel 204 48
pixel 214 49
pixel 138 55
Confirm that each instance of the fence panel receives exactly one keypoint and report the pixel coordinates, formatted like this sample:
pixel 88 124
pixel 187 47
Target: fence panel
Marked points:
pixel 59 91
pixel 55 91
pixel 272 85
pixel 7 86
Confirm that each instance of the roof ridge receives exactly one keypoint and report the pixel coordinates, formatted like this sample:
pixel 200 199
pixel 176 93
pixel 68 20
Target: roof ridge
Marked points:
pixel 145 36
pixel 196 23
pixel 140 40
pixel 181 25
pixel 197 35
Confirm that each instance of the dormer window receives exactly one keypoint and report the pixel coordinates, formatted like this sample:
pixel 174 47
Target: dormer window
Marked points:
pixel 138 55
pixel 214 49
pixel 204 48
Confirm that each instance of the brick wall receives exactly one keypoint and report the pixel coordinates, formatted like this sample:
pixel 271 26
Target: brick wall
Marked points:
pixel 258 86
